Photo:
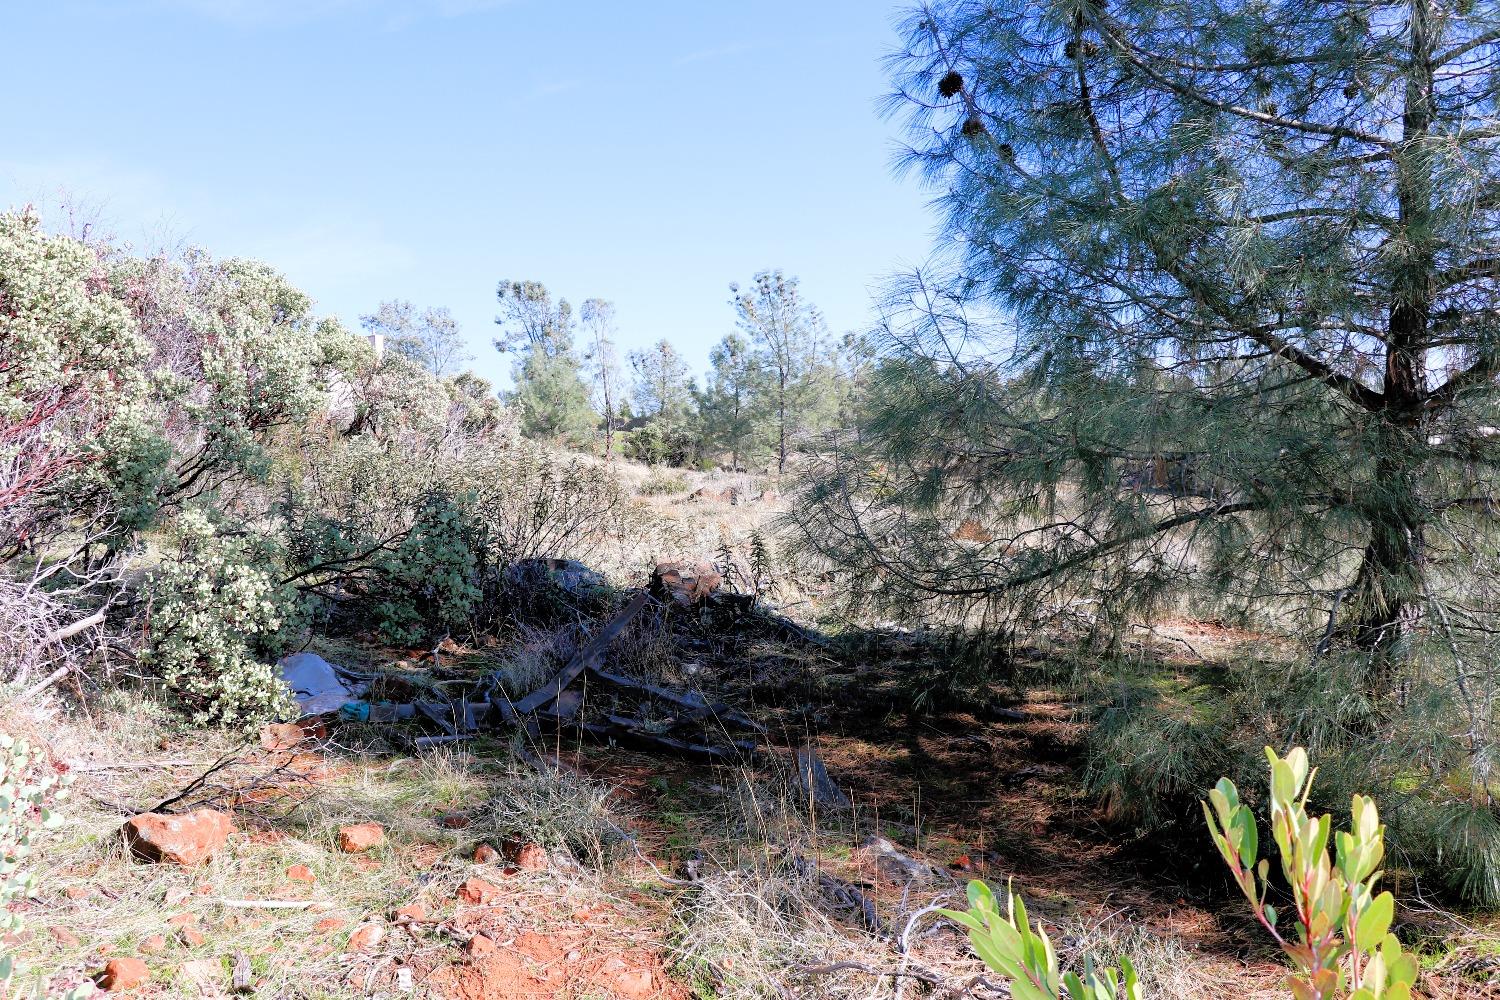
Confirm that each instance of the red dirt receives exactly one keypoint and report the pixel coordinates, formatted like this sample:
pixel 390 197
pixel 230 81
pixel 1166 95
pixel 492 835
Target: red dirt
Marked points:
pixel 565 964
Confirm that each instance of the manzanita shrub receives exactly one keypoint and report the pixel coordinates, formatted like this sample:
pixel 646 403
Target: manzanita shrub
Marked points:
pixel 1339 939
pixel 29 786
pixel 216 621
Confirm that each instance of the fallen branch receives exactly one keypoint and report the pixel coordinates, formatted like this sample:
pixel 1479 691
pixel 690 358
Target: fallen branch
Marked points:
pixel 833 967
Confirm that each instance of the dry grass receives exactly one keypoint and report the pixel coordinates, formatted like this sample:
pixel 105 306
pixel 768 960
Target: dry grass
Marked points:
pixel 108 904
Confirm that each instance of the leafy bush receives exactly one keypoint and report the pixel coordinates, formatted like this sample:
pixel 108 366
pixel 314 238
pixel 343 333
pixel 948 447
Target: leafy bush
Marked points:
pixel 431 576
pixel 213 608
pixel 425 544
pixel 69 364
pixel 659 444
pixel 378 532
pixel 1342 946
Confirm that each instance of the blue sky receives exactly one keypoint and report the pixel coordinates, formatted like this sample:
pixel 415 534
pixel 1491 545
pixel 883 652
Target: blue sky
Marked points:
pixel 648 153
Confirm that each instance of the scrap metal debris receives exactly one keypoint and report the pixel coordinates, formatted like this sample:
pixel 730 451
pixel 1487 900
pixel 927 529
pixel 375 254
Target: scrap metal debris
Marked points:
pixel 583 697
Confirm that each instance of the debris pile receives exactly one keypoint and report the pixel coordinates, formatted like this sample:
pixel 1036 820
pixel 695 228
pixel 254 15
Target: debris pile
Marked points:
pixel 584 697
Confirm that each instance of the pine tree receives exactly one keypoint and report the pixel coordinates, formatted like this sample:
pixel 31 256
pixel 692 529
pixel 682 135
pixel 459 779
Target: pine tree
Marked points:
pixel 549 392
pixel 1215 327
pixel 604 367
pixel 727 403
pixel 786 332
pixel 663 384
pixel 664 394
pixel 1245 256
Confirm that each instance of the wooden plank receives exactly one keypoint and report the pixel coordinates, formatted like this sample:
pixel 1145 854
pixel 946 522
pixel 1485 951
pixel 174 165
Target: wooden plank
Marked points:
pixel 589 654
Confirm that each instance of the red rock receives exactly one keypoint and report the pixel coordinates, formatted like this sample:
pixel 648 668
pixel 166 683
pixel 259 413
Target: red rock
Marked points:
pixel 204 973
pixel 532 858
pixel 76 892
pixel 360 837
pixel 281 736
pixel 425 856
pixel 410 912
pixel 453 821
pixel 970 530
pixel 478 892
pixel 154 943
pixel 190 839
pixel 365 937
pixel 122 974
pixel 64 937
pixel 191 937
pixel 478 945
pixel 328 924
pixel 301 873
pixel 203 889
pixel 636 984
pixel 182 920
pixel 484 854
pixel 688 584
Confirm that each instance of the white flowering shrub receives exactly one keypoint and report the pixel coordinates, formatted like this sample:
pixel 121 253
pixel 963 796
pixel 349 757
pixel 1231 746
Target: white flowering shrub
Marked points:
pixel 213 608
pixel 29 786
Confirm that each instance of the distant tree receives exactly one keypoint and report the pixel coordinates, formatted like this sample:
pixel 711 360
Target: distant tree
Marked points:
pixel 664 394
pixel 727 404
pixel 552 400
pixel 603 364
pixel 549 393
pixel 786 333
pixel 430 337
pixel 851 364
pixel 475 413
pixel 663 383
pixel 529 318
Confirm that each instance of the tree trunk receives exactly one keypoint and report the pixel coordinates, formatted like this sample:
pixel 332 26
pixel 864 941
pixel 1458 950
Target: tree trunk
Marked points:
pixel 1387 597
pixel 781 423
pixel 1388 591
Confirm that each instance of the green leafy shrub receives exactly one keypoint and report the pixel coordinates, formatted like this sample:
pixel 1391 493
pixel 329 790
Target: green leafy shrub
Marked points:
pixel 216 616
pixel 658 443
pixel 423 545
pixel 1024 955
pixel 378 533
pixel 1341 946
pixel 431 576
pixel 528 503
